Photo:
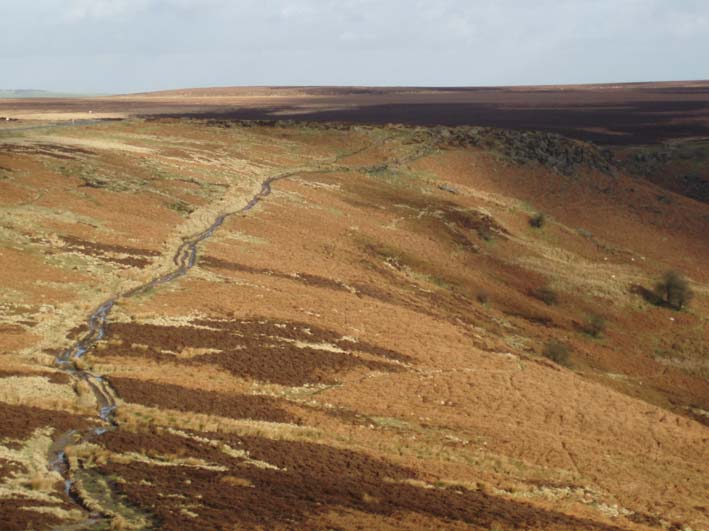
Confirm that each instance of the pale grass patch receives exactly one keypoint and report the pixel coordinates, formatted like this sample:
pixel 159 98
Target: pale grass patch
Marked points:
pixel 689 364
pixel 95 143
pixel 318 185
pixel 195 352
pixel 366 498
pixel 92 455
pixel 574 273
pixel 37 482
pixel 41 482
pixel 165 461
pixel 189 513
pixel 698 411
pixel 63 514
pixel 136 416
pixel 242 237
pixel 86 399
pixel 118 523
pixel 176 320
pixel 35 390
pixel 581 495
pixel 139 346
pixel 327 347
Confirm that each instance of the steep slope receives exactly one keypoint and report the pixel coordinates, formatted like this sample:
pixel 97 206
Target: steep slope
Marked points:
pixel 364 347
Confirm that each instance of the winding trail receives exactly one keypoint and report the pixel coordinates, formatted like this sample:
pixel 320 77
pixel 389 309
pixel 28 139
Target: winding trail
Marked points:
pixel 184 259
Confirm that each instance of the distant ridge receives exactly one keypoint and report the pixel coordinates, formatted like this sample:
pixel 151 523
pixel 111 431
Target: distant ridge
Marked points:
pixel 35 93
pixel 340 90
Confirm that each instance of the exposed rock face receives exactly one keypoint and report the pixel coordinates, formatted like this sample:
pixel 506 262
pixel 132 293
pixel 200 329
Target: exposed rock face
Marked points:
pixel 563 155
pixel 681 167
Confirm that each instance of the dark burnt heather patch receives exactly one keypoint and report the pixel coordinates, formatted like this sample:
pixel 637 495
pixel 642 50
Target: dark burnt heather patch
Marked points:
pixel 14 516
pixel 182 399
pixel 542 320
pixel 239 333
pixel 286 353
pixel 18 422
pixel 136 257
pixel 293 366
pixel 303 278
pixel 648 520
pixel 311 479
pixel 216 263
pixel 299 331
pixel 319 282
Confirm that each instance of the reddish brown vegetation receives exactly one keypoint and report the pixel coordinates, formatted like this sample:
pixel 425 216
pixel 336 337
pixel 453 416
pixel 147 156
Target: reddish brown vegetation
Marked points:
pixel 212 403
pixel 262 350
pixel 138 258
pixel 18 422
pixel 313 478
pixel 303 278
pixel 14 516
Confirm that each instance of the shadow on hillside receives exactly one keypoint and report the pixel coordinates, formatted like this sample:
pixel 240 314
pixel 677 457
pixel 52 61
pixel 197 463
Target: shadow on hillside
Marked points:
pixel 648 295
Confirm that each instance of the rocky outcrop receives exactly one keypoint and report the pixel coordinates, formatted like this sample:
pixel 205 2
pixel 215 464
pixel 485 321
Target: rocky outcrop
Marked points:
pixel 564 155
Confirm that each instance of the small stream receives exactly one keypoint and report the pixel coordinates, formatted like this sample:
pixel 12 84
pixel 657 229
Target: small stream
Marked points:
pixel 184 259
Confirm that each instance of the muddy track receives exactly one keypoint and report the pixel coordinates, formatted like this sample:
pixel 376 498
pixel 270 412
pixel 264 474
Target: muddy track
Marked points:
pixel 184 259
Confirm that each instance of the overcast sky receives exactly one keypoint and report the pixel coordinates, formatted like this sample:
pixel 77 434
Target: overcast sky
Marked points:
pixel 118 46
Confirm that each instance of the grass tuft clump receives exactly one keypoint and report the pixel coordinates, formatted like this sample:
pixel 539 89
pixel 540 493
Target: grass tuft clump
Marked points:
pixel 557 352
pixel 545 294
pixel 673 290
pixel 537 221
pixel 595 325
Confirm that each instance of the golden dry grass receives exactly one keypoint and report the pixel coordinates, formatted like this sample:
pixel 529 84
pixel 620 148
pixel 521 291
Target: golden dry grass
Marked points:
pixel 377 259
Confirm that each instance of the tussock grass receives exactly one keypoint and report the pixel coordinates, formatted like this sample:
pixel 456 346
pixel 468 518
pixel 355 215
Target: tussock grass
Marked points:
pixel 86 398
pixel 135 417
pixel 36 391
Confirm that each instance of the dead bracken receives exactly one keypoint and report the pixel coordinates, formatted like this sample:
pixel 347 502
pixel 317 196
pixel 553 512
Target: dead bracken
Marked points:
pixel 363 347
